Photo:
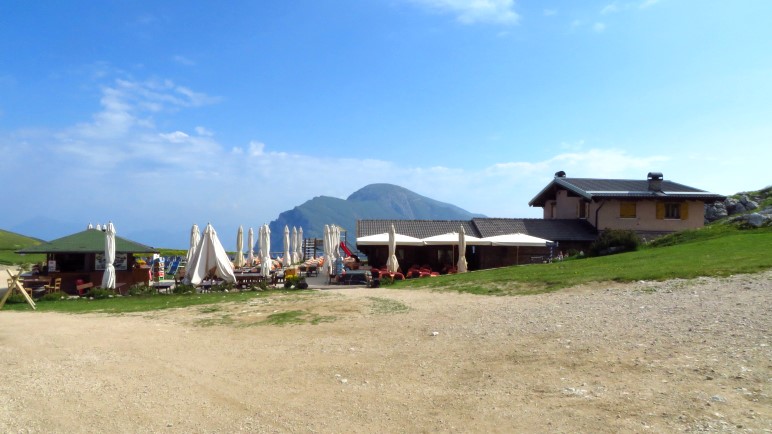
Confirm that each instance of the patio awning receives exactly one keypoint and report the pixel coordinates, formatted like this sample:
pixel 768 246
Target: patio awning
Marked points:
pixel 518 239
pixel 451 238
pixel 383 240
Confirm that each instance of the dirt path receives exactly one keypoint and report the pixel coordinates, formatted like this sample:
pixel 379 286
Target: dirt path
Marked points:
pixel 645 357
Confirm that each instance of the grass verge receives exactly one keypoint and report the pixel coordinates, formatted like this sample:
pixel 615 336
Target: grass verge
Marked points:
pixel 711 251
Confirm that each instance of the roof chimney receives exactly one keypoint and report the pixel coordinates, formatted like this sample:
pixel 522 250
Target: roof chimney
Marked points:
pixel 560 174
pixel 655 181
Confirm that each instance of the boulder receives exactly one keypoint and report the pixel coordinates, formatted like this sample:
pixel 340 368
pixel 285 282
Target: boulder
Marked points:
pixel 757 220
pixel 747 203
pixel 715 211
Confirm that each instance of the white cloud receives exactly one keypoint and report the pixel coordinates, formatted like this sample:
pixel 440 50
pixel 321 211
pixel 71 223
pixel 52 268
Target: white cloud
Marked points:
pixel 648 3
pixel 182 60
pixel 550 12
pixel 175 137
pixel 202 131
pixel 256 148
pixel 609 9
pixel 475 11
pixel 616 7
pixel 598 27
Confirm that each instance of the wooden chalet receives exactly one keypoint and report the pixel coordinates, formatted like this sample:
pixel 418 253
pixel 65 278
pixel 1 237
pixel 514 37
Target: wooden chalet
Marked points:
pixel 79 258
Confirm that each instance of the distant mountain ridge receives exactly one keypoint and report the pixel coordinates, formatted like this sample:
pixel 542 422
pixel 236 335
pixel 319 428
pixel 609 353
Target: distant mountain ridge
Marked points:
pixel 374 201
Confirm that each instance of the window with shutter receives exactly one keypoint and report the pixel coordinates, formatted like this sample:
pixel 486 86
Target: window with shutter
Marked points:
pixel 581 211
pixel 673 211
pixel 627 210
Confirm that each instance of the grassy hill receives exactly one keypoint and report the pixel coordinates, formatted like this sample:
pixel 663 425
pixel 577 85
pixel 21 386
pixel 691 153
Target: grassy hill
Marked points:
pixel 10 242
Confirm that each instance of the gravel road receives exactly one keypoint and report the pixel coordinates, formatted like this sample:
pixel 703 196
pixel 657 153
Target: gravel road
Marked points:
pixel 674 356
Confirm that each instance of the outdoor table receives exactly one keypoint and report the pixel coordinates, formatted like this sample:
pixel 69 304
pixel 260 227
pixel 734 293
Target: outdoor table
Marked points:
pixel 246 279
pixel 355 277
pixel 36 282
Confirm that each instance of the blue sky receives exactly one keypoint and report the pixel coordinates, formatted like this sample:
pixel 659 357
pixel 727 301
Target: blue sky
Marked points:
pixel 158 115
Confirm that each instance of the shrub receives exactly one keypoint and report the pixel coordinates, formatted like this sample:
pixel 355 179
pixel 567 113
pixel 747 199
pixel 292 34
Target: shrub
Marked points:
pixel 53 296
pixel 100 293
pixel 291 281
pixel 16 299
pixel 141 290
pixel 184 289
pixel 615 241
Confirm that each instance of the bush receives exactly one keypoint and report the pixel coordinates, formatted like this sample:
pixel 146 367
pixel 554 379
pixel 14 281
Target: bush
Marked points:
pixel 101 293
pixel 291 281
pixel 141 290
pixel 184 289
pixel 613 241
pixel 16 299
pixel 53 296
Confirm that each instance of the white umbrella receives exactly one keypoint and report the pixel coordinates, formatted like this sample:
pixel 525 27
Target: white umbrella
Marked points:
pixel 327 251
pixel 260 243
pixel 461 267
pixel 251 245
pixel 108 279
pixel 240 248
pixel 392 264
pixel 195 237
pixel 301 255
pixel 287 260
pixel 294 247
pixel 265 260
pixel 210 255
pixel 335 237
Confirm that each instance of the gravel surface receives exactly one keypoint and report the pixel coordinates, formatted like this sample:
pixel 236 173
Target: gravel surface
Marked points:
pixel 675 356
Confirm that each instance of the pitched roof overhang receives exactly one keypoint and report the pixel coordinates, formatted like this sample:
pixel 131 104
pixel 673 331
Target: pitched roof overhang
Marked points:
pixel 592 189
pixel 88 241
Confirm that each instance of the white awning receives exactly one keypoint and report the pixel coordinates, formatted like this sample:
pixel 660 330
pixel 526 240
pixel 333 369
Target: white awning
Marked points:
pixel 383 240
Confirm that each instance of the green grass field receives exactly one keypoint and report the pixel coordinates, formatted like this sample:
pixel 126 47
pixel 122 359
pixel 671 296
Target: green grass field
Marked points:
pixel 718 250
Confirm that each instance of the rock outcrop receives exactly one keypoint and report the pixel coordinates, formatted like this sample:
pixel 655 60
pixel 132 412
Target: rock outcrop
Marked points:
pixel 738 209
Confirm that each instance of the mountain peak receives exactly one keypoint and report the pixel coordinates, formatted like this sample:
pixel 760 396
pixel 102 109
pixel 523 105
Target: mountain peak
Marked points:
pixel 373 201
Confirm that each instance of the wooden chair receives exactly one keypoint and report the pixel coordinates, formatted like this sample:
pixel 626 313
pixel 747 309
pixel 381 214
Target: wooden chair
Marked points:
pixel 56 287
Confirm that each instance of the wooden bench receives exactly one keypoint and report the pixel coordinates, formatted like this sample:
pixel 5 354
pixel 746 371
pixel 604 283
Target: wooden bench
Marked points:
pixel 83 287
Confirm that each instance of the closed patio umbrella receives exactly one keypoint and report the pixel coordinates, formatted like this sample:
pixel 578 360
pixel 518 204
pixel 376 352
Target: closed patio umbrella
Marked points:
pixel 108 279
pixel 287 260
pixel 195 237
pixel 392 264
pixel 294 245
pixel 301 255
pixel 327 266
pixel 239 261
pixel 265 260
pixel 251 246
pixel 461 266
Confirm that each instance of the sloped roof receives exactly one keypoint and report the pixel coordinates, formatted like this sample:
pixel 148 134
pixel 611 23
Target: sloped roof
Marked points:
pixel 555 230
pixel 415 228
pixel 88 241
pixel 593 188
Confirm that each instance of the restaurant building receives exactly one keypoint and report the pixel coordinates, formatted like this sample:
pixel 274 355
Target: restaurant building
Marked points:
pixel 80 258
